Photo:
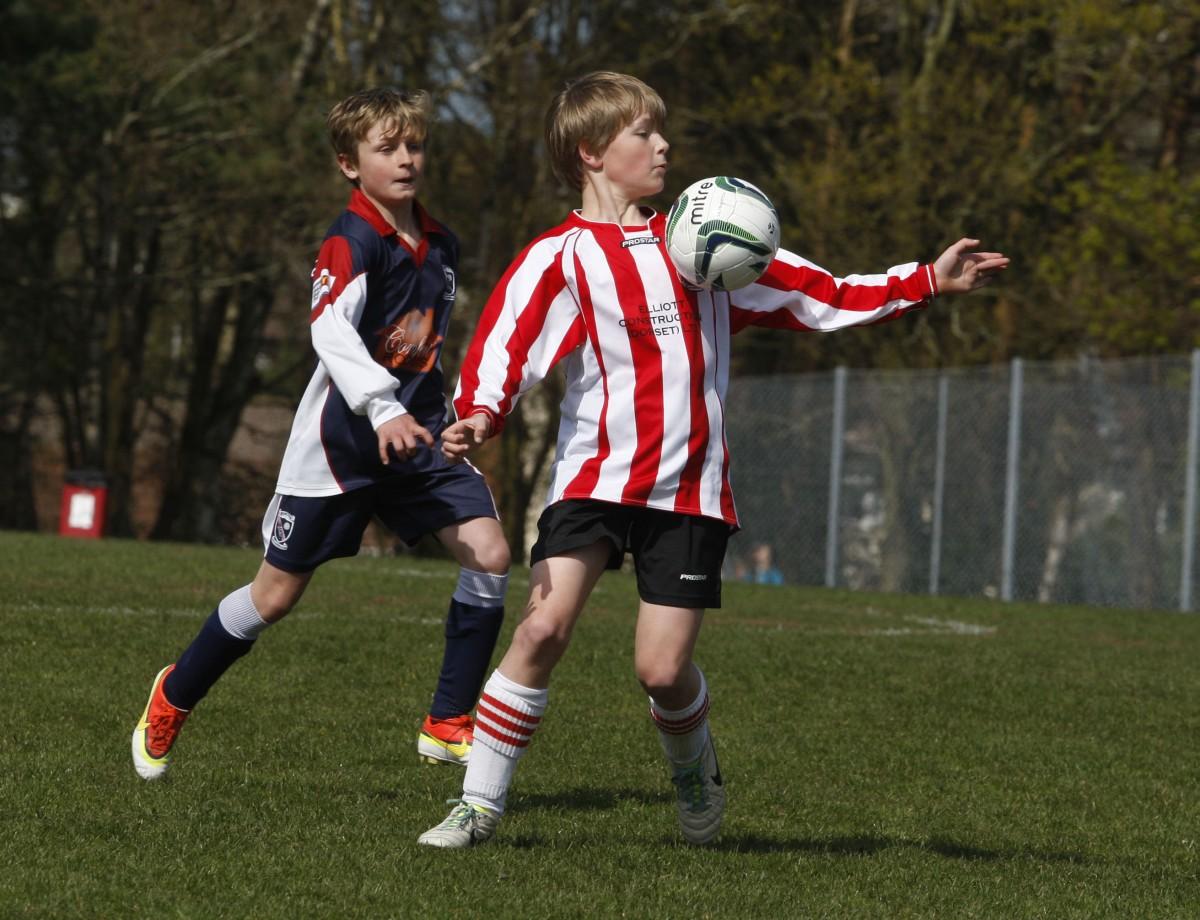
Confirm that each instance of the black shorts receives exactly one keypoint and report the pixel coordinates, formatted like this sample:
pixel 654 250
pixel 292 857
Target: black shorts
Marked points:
pixel 300 533
pixel 677 557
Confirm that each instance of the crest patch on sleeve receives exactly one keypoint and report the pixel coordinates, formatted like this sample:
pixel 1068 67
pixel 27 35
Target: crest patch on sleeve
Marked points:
pixel 322 284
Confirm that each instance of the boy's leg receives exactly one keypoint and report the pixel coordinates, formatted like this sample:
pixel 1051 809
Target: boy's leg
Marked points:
pixel 453 502
pixel 666 638
pixel 678 560
pixel 231 630
pixel 514 698
pixel 472 626
pixel 228 634
pixel 663 645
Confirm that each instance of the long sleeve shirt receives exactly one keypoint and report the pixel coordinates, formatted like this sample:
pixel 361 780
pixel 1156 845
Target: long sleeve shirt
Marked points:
pixel 646 357
pixel 380 311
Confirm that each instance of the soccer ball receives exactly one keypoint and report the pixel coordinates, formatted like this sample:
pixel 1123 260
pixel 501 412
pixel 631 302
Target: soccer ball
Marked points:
pixel 722 233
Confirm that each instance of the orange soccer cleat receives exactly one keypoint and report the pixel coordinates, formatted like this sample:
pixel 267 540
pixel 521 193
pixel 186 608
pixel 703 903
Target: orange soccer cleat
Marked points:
pixel 156 731
pixel 446 740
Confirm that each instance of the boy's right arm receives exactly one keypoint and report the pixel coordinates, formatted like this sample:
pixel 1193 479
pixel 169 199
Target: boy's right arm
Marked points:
pixel 338 298
pixel 529 323
pixel 461 438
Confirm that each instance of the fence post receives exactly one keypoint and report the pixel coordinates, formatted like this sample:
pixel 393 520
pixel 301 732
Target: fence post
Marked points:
pixel 1011 481
pixel 835 475
pixel 1189 494
pixel 939 484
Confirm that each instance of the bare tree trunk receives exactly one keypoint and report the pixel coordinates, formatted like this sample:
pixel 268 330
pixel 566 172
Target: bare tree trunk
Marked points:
pixel 121 388
pixel 222 383
pixel 17 509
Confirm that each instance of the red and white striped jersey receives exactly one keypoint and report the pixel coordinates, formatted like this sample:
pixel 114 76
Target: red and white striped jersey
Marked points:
pixel 646 359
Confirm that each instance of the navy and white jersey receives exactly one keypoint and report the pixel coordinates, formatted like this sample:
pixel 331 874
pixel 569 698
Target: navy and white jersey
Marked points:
pixel 380 311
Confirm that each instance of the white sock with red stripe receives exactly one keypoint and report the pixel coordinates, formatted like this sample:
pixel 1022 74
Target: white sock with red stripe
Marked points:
pixel 683 731
pixel 505 719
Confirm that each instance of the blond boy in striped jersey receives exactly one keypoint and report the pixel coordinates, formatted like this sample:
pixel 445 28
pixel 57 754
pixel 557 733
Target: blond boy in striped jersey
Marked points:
pixel 642 464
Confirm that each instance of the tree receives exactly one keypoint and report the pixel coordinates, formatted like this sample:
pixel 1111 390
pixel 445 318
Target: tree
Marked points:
pixel 166 182
pixel 34 44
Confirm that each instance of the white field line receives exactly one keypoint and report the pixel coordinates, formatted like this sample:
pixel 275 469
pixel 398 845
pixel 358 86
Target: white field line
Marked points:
pixel 195 613
pixel 514 577
pixel 925 626
pixel 934 627
pixel 958 627
pixel 416 573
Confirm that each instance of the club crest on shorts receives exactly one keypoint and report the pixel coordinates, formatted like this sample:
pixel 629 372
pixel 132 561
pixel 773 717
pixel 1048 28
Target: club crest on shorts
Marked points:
pixel 284 524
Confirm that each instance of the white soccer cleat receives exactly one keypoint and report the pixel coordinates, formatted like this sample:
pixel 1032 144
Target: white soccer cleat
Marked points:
pixel 466 826
pixel 700 792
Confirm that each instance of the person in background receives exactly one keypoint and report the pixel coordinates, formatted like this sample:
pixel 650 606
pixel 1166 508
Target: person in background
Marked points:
pixel 763 570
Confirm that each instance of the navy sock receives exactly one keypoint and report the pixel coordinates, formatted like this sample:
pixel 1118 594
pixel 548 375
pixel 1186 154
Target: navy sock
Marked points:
pixel 471 633
pixel 202 663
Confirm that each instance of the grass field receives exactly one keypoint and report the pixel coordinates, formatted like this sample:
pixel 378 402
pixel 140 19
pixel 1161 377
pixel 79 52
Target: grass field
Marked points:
pixel 885 756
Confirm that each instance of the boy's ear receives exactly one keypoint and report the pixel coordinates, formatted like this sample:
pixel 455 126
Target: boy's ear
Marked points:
pixel 590 160
pixel 348 167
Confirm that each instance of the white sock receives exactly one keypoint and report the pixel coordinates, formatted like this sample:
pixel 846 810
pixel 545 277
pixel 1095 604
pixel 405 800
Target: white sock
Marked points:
pixel 480 589
pixel 239 616
pixel 505 719
pixel 683 731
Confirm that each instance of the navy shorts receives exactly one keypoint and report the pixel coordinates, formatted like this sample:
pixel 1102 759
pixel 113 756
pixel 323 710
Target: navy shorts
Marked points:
pixel 677 557
pixel 300 533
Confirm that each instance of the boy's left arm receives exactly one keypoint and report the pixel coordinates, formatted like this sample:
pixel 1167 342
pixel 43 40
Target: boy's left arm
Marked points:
pixel 960 271
pixel 797 294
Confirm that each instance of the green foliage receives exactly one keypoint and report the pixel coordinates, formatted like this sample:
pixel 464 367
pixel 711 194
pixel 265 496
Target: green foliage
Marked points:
pixel 886 131
pixel 167 180
pixel 1125 219
pixel 884 756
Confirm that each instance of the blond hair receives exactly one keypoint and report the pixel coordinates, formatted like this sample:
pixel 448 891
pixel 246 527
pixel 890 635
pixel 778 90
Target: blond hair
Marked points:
pixel 592 110
pixel 402 114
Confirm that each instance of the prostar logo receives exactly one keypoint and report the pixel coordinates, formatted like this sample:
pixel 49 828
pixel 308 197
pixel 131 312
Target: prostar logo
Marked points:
pixel 639 240
pixel 689 577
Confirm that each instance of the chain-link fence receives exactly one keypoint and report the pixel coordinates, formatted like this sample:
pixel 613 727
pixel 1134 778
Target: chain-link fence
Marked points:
pixel 1069 482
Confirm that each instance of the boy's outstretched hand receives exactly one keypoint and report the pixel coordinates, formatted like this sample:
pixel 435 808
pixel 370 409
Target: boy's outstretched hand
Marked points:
pixel 958 271
pixel 404 435
pixel 459 439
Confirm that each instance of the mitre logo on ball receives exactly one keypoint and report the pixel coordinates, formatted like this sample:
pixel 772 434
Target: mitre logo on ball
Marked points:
pixel 722 233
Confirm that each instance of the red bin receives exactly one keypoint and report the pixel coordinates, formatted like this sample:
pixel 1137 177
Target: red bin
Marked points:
pixel 84 496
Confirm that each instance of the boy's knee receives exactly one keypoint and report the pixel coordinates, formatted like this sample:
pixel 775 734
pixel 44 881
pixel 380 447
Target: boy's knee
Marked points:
pixel 273 606
pixel 274 597
pixel 494 558
pixel 543 635
pixel 660 678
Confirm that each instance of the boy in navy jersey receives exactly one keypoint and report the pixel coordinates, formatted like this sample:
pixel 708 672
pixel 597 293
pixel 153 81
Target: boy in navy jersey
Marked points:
pixel 642 464
pixel 363 441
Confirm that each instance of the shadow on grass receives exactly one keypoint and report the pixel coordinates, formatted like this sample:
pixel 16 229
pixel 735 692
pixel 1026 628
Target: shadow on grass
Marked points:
pixel 589 799
pixel 571 800
pixel 852 846
pixel 865 845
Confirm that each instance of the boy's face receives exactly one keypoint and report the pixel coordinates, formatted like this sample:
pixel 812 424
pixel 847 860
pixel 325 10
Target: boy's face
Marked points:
pixel 389 167
pixel 636 159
